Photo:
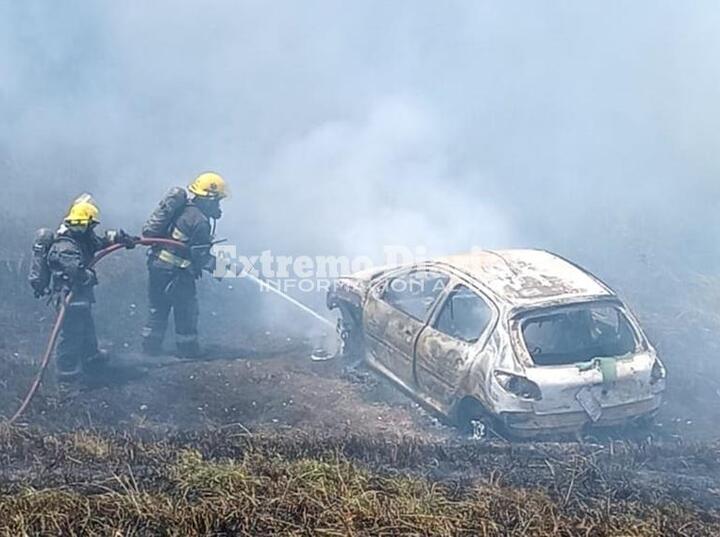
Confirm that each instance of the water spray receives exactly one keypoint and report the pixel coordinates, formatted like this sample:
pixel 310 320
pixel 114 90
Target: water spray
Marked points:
pixel 318 354
pixel 265 285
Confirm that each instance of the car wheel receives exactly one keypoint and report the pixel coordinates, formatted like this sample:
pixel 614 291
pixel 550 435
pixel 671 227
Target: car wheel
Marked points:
pixel 645 423
pixel 473 419
pixel 352 349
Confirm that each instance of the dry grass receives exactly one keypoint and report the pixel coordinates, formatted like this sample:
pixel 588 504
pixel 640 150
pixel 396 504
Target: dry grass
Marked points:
pixel 89 445
pixel 223 484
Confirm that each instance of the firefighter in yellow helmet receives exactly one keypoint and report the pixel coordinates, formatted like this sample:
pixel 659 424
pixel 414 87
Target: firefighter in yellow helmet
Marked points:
pixel 173 271
pixel 68 258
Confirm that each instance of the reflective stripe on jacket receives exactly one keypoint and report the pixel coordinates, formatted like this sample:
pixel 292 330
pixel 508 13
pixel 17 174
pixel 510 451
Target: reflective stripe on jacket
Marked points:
pixel 192 228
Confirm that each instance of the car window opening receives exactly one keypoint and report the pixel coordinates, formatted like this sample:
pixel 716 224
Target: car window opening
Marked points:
pixel 464 315
pixel 578 334
pixel 414 293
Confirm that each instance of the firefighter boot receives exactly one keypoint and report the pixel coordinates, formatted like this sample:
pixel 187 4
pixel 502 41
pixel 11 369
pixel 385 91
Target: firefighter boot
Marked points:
pixel 96 361
pixel 188 350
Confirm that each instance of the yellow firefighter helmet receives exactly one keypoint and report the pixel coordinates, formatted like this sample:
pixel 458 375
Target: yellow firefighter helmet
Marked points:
pixel 209 185
pixel 83 212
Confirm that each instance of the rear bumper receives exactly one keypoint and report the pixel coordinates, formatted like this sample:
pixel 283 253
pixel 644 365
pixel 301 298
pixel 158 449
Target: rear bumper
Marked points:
pixel 527 424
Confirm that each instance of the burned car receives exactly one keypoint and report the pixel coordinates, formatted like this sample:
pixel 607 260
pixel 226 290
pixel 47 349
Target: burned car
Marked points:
pixel 521 340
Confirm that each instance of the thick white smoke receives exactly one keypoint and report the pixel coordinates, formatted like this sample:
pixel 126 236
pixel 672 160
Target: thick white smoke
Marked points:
pixel 345 127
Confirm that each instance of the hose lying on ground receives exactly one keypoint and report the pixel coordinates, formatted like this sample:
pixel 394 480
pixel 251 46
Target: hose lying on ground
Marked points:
pixel 61 317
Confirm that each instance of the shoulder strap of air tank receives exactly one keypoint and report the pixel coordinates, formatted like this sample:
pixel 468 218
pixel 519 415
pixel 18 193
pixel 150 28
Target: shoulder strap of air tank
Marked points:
pixel 66 238
pixel 175 232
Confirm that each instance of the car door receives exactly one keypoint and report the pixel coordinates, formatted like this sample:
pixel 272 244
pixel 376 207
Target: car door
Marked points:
pixel 396 311
pixel 461 324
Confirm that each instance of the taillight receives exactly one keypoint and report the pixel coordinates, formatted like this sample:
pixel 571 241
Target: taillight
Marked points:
pixel 657 373
pixel 518 385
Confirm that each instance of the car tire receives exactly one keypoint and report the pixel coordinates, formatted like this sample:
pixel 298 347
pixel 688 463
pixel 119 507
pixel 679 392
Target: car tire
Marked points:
pixel 351 336
pixel 471 416
pixel 645 423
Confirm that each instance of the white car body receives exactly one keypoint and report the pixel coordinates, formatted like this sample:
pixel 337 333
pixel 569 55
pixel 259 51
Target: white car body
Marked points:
pixel 427 347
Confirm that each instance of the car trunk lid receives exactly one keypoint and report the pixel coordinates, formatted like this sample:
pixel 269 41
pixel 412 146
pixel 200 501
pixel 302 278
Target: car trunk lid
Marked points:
pixel 608 381
pixel 584 356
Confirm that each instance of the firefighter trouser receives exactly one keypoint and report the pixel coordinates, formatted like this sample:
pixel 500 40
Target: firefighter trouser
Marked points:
pixel 77 342
pixel 172 290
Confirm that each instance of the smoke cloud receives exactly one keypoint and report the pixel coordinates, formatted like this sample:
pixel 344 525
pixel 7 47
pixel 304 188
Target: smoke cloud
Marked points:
pixel 585 128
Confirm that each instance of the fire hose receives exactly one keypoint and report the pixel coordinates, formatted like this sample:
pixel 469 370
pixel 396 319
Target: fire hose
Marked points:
pixel 52 341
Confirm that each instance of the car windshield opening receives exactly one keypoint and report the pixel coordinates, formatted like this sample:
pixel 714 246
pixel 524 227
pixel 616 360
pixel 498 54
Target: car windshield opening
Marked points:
pixel 569 335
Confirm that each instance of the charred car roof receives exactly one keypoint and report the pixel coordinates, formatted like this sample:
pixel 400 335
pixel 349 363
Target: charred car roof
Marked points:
pixel 525 278
pixel 519 278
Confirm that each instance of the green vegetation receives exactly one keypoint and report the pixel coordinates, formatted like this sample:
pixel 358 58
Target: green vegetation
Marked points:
pixel 226 484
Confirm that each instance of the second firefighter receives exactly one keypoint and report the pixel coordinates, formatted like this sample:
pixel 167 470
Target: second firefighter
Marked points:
pixel 173 271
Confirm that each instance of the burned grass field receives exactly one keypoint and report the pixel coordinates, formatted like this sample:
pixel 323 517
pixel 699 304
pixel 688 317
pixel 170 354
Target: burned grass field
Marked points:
pixel 259 439
pixel 231 482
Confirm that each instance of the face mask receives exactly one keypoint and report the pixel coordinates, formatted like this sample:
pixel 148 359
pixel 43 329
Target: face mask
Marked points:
pixel 211 208
pixel 78 229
